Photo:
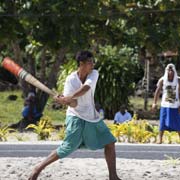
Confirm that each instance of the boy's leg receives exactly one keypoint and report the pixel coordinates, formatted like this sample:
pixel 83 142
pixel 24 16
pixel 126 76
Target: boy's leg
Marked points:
pixel 71 142
pixel 160 137
pixel 179 134
pixel 110 156
pixel 50 159
pixel 96 136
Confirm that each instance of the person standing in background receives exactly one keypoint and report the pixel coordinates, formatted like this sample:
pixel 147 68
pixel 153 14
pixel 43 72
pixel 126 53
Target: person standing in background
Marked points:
pixel 169 111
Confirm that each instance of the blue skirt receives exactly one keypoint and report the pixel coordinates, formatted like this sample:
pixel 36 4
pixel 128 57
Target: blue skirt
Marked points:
pixel 169 119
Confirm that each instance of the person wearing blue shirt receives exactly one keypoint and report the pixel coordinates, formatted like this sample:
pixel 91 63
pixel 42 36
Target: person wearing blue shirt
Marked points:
pixel 122 116
pixel 30 113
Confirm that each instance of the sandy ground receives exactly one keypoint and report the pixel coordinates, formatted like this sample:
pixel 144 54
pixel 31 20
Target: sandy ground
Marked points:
pixel 90 169
pixel 87 169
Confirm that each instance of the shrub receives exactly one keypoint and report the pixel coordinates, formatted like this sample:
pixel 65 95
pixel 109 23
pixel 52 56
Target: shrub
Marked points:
pixel 4 132
pixel 43 129
pixel 132 131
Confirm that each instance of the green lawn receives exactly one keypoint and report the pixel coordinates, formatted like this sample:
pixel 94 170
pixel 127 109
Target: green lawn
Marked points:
pixel 137 105
pixel 138 102
pixel 10 111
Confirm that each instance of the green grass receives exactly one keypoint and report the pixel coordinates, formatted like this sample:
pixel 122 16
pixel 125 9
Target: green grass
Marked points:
pixel 10 111
pixel 138 102
pixel 57 116
pixel 137 105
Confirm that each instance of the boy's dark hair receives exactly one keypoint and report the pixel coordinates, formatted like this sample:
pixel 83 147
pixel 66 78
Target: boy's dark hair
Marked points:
pixel 83 56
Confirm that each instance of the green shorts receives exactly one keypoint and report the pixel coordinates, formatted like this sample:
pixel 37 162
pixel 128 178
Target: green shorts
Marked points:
pixel 83 133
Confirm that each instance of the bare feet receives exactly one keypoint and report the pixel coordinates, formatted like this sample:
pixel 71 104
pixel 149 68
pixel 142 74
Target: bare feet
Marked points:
pixel 115 178
pixel 34 175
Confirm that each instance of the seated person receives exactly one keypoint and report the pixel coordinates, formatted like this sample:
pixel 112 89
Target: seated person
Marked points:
pixel 122 116
pixel 30 113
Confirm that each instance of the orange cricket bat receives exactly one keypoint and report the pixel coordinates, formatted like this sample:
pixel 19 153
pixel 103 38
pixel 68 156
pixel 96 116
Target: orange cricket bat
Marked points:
pixel 18 71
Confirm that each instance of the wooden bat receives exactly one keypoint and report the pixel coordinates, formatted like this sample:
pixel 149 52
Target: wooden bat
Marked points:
pixel 18 71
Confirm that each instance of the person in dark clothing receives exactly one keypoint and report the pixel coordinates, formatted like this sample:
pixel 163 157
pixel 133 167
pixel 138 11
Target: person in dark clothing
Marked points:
pixel 30 113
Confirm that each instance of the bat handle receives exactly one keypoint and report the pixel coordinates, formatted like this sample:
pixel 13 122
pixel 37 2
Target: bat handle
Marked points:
pixel 53 93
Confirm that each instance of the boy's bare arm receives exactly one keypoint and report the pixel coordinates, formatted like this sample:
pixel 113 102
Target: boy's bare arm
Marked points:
pixel 72 100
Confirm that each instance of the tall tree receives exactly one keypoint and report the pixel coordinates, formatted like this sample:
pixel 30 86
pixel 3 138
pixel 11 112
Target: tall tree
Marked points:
pixel 44 31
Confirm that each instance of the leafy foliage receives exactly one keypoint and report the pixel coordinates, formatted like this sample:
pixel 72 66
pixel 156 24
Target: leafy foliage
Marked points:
pixel 132 131
pixel 15 108
pixel 4 132
pixel 171 160
pixel 155 131
pixel 34 33
pixel 118 73
pixel 140 131
pixel 170 137
pixel 65 69
pixel 43 129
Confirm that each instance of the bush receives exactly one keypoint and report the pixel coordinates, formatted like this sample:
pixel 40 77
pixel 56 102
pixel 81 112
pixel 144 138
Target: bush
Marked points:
pixel 43 129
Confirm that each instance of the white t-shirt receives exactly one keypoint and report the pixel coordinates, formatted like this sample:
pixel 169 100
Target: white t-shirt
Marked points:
pixel 170 94
pixel 85 108
pixel 120 118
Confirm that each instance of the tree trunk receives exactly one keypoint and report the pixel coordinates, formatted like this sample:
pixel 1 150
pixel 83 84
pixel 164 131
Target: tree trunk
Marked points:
pixel 18 59
pixel 51 80
pixel 31 70
pixel 43 66
pixel 53 75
